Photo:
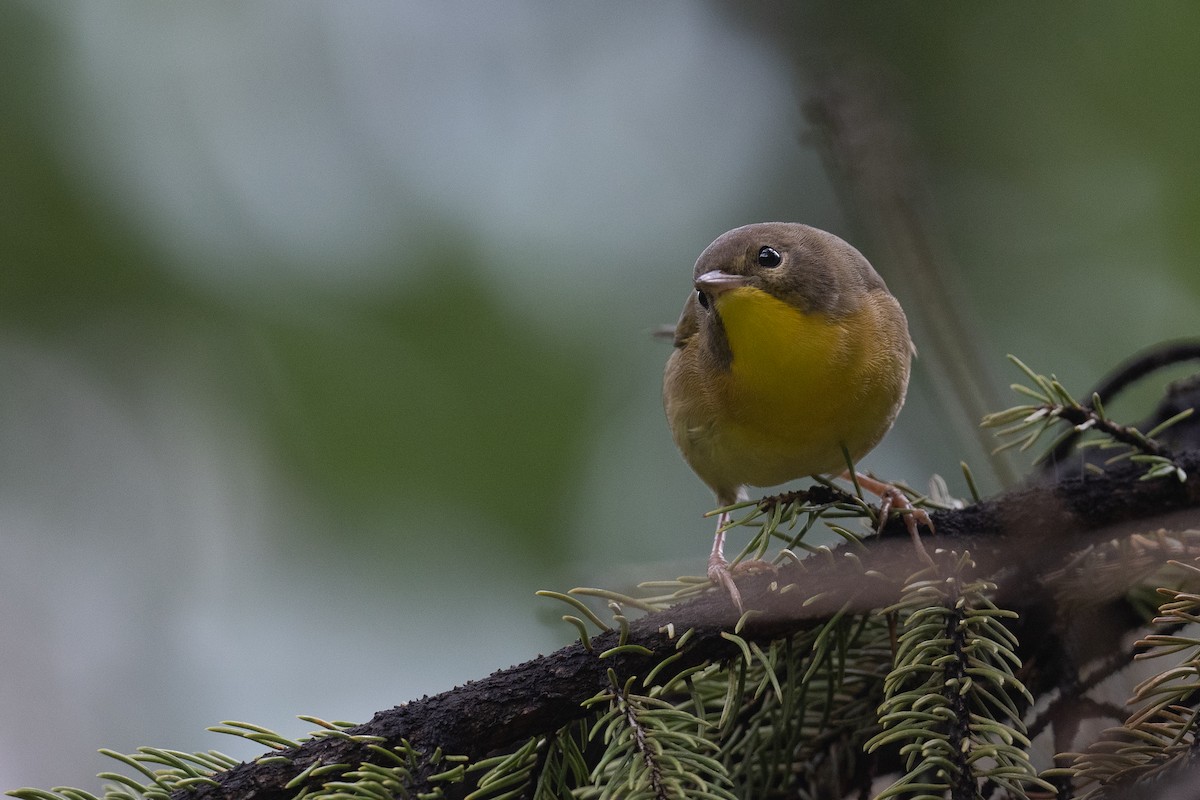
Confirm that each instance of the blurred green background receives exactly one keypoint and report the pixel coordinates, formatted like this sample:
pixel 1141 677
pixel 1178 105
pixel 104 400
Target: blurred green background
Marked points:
pixel 324 328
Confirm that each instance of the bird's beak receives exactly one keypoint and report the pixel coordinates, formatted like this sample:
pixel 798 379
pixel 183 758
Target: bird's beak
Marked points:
pixel 717 282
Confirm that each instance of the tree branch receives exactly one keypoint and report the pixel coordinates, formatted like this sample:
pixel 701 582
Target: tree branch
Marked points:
pixel 1015 538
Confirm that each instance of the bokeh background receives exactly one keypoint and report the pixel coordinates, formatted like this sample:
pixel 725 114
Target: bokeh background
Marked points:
pixel 325 328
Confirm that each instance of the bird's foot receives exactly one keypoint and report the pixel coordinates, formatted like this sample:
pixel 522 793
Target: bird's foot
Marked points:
pixel 718 568
pixel 721 572
pixel 892 499
pixel 722 577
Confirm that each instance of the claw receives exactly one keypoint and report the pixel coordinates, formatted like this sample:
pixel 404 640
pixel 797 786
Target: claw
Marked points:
pixel 718 568
pixel 892 499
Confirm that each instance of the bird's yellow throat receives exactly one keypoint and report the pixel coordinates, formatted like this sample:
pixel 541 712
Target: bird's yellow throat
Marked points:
pixel 805 378
pixel 773 342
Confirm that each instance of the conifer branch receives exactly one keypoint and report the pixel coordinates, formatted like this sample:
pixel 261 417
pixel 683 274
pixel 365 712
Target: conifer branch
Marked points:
pixel 1023 535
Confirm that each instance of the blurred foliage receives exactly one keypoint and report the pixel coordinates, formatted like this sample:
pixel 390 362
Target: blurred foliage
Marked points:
pixel 433 393
pixel 1059 142
pixel 429 391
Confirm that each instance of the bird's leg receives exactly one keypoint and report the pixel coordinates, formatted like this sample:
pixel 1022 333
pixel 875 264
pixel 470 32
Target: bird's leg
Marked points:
pixel 892 498
pixel 718 568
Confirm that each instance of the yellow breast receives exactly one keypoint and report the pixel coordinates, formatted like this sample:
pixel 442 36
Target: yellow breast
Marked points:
pixel 799 389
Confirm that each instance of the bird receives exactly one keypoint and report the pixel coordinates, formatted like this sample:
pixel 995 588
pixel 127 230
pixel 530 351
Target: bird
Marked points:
pixel 790 357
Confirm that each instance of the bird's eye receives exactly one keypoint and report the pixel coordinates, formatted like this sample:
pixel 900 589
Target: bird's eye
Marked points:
pixel 769 257
pixel 702 299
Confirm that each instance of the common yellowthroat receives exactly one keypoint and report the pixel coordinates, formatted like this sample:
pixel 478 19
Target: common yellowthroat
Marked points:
pixel 790 354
